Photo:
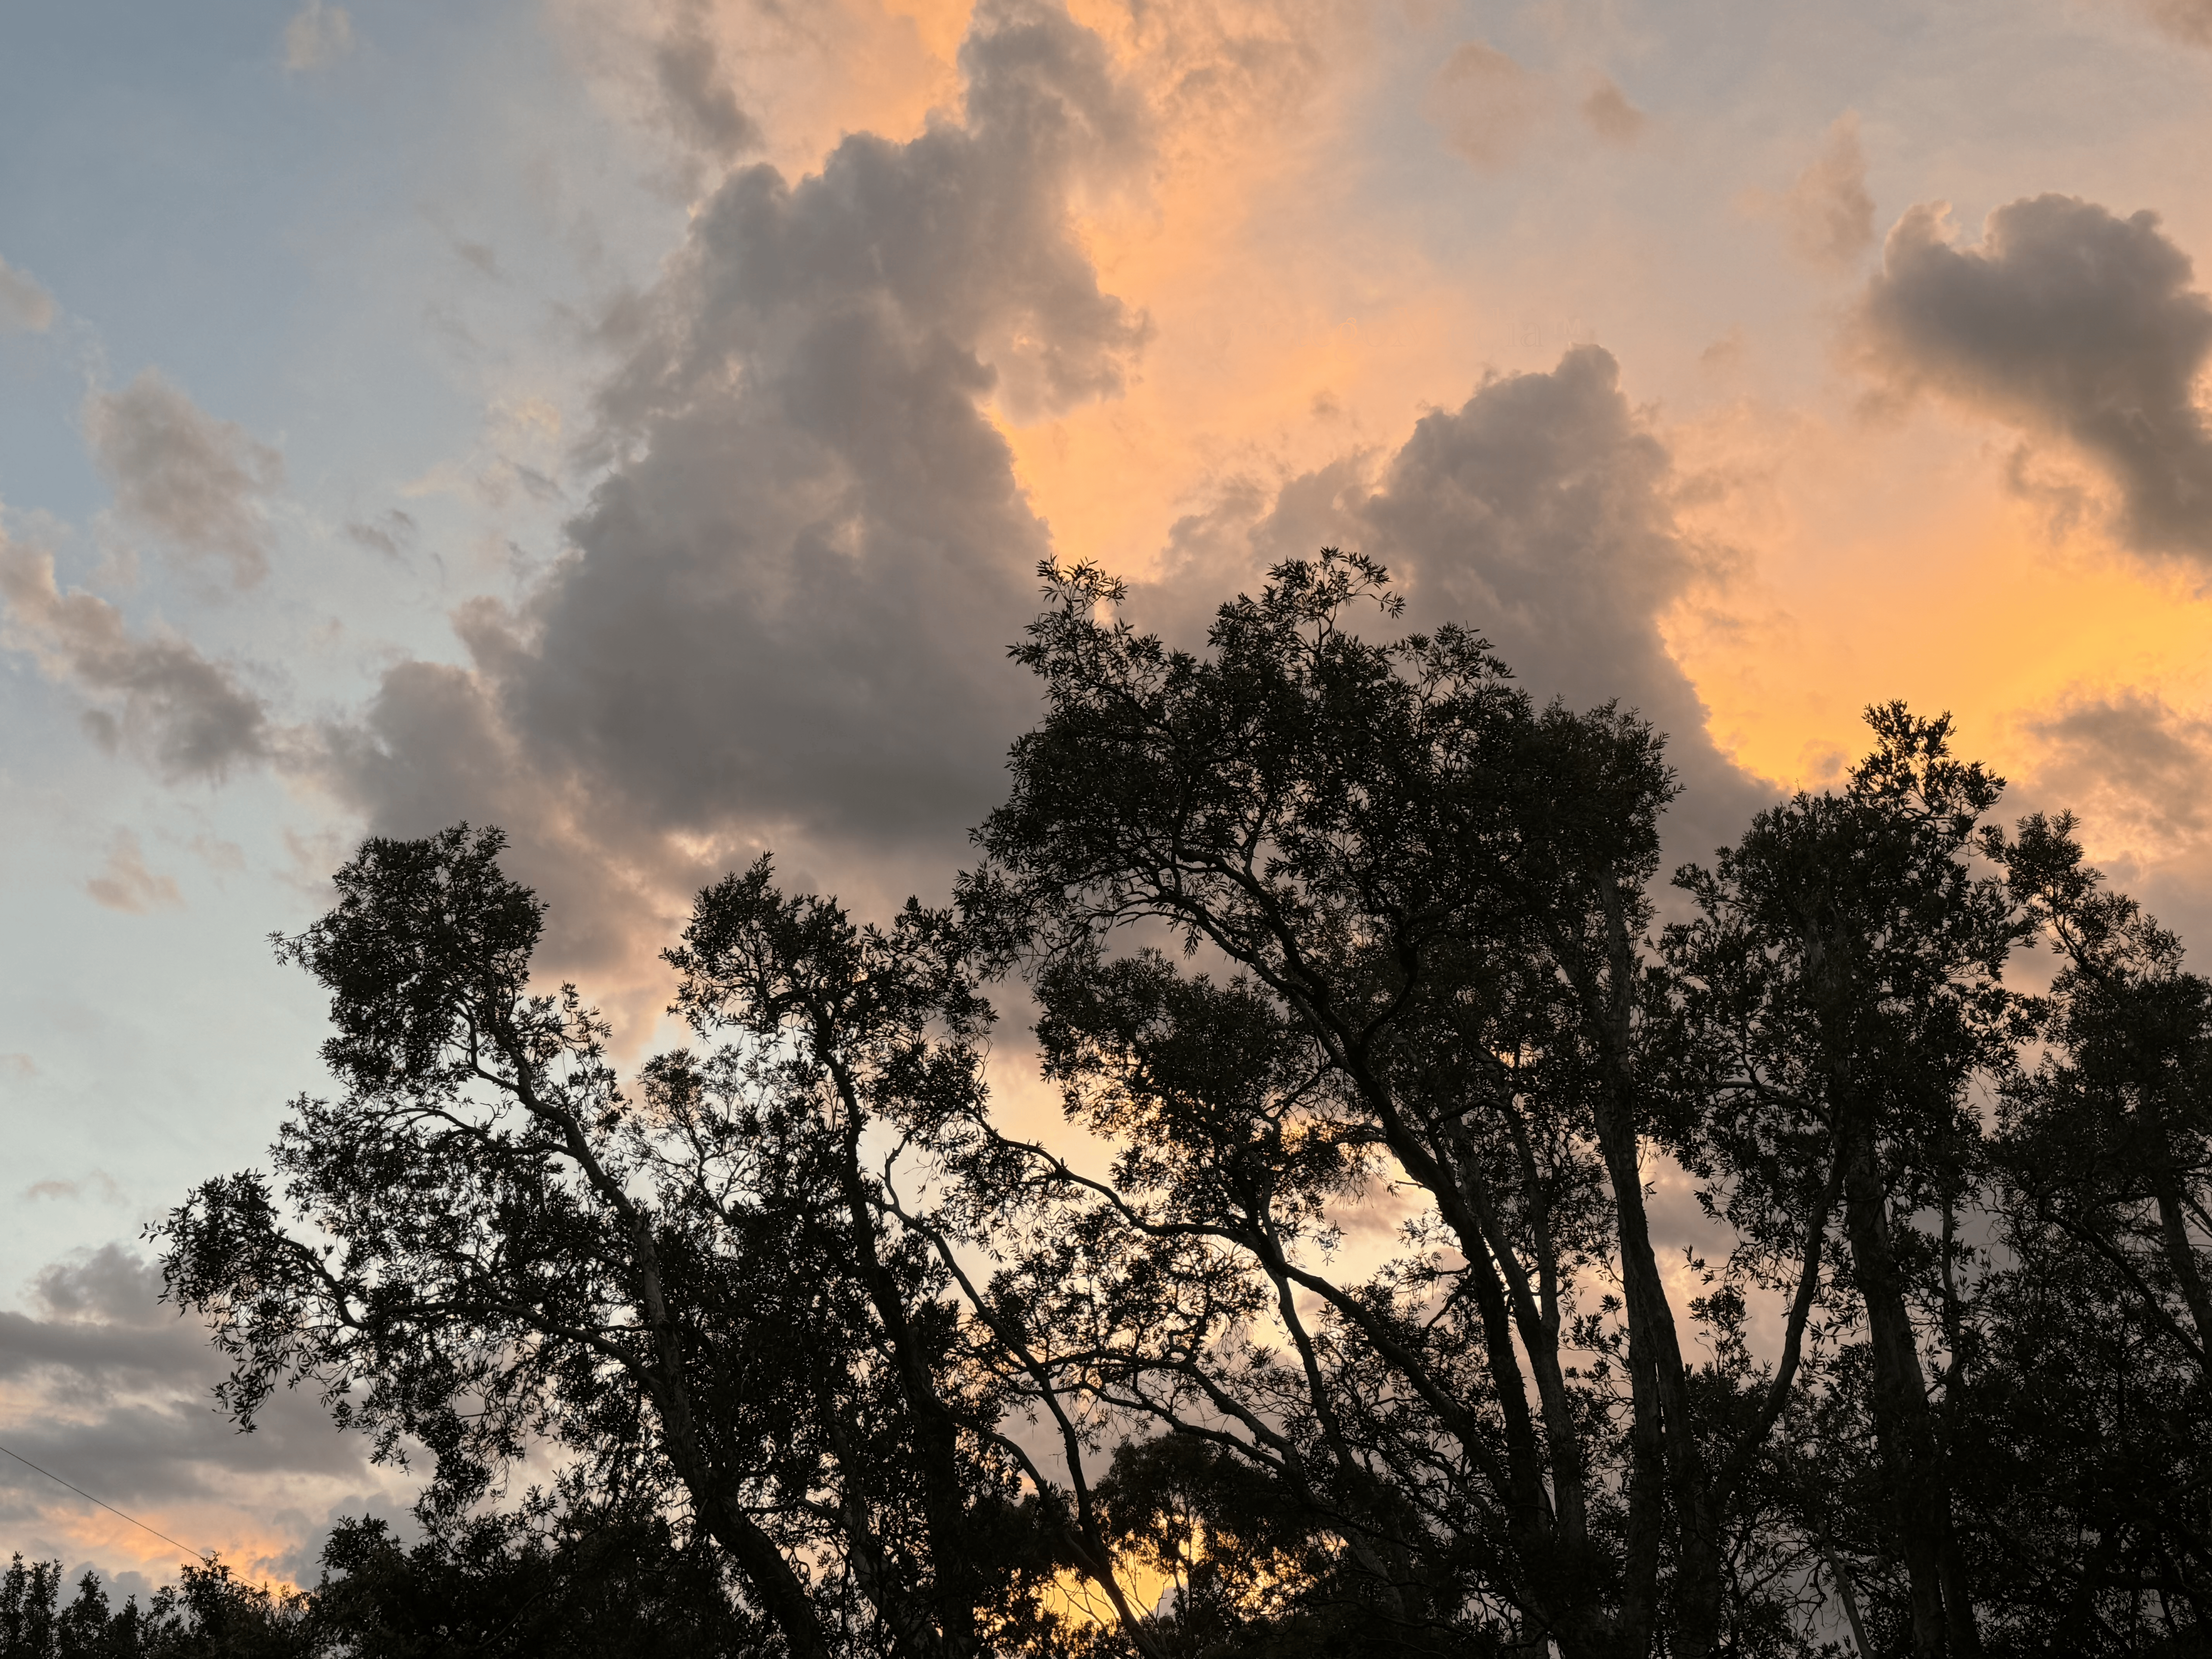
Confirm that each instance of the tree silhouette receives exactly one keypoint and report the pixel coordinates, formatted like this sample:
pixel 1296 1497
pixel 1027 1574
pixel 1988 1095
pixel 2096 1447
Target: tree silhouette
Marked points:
pixel 1340 1321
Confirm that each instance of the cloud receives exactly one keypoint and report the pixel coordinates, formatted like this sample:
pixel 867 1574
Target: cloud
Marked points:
pixel 700 103
pixel 216 853
pixel 1488 106
pixel 18 1066
pixel 195 480
pixel 126 884
pixel 109 1390
pixel 2187 21
pixel 1827 210
pixel 23 304
pixel 1540 513
pixel 188 717
pixel 317 37
pixel 788 606
pixel 1609 114
pixel 2137 768
pixel 435 747
pixel 2066 321
pixel 99 1183
pixel 1491 108
pixel 389 534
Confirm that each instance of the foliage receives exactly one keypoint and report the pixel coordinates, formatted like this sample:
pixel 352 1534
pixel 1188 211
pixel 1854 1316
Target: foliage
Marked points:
pixel 1334 1321
pixel 208 1614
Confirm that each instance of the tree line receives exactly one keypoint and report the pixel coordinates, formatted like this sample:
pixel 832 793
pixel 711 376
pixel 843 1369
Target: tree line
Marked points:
pixel 1336 1320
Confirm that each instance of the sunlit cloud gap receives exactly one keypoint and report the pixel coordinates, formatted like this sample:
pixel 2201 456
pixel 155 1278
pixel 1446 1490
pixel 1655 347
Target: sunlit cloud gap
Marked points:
pixel 207 1555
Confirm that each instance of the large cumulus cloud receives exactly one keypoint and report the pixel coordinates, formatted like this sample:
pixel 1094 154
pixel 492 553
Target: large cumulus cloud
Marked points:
pixel 784 617
pixel 1537 512
pixel 2069 322
pixel 786 611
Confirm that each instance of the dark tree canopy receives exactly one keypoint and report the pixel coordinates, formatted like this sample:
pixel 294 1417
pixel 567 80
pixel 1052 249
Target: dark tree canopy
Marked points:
pixel 1337 1321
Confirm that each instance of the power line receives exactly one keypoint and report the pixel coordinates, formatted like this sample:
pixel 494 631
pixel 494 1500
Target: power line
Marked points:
pixel 204 1555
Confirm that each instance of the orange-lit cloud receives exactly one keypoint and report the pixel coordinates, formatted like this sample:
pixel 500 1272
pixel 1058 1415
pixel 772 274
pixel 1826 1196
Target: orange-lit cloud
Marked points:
pixel 109 1391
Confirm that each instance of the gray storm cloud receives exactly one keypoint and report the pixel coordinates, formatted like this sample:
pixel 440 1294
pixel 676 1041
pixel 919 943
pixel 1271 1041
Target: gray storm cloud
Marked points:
pixel 1536 511
pixel 1540 512
pixel 125 1384
pixel 188 716
pixel 2066 321
pixel 2131 760
pixel 789 604
pixel 700 103
pixel 196 481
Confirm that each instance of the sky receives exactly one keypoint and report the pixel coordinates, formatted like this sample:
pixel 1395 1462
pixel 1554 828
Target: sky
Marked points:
pixel 637 423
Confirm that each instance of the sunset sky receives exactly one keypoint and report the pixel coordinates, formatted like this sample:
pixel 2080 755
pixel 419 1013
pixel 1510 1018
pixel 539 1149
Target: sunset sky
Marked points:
pixel 638 425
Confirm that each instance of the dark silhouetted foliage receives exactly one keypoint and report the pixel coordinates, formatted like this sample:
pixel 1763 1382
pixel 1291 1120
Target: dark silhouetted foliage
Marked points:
pixel 1336 1320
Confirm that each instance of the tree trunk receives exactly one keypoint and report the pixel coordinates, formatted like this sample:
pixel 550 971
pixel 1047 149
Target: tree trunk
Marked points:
pixel 1904 1429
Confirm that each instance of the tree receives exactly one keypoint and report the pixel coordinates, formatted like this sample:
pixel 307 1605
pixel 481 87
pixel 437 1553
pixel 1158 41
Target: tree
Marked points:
pixel 702 1293
pixel 2096 1416
pixel 574 1581
pixel 208 1614
pixel 1432 898
pixel 1843 980
pixel 1340 1326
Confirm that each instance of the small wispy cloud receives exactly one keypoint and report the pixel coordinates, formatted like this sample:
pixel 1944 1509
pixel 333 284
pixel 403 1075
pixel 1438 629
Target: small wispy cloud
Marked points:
pixel 24 306
pixel 1489 107
pixel 226 856
pixel 195 480
pixel 188 716
pixel 2186 21
pixel 317 37
pixel 1829 210
pixel 99 1185
pixel 126 884
pixel 1486 105
pixel 388 534
pixel 1608 114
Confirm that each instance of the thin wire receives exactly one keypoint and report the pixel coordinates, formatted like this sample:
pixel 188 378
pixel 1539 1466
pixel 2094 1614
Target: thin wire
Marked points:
pixel 204 1555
